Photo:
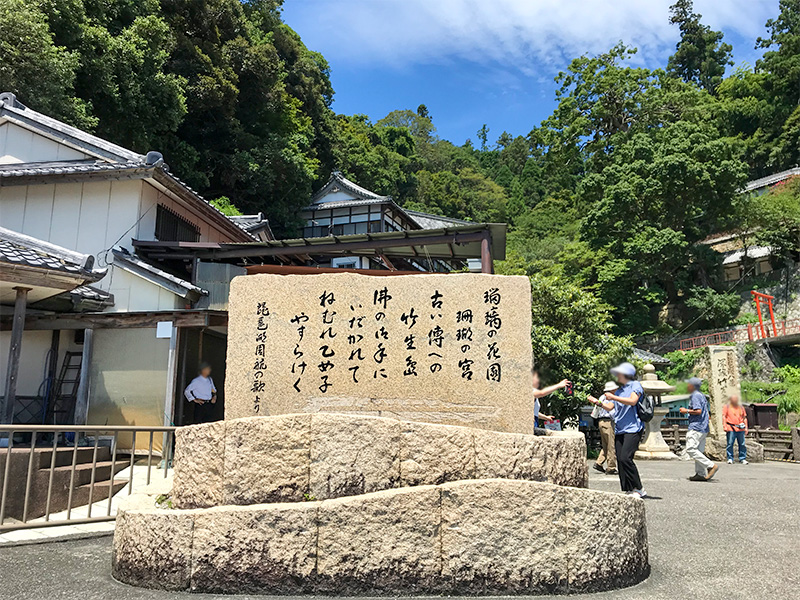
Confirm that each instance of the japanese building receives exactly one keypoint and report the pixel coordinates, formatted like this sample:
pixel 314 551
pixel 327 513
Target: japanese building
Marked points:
pixel 115 274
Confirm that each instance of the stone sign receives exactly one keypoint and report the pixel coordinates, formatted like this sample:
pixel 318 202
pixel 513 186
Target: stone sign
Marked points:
pixel 723 382
pixel 449 349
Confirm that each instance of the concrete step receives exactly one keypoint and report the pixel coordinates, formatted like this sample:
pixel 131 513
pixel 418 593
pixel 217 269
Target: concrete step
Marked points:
pixel 83 471
pixel 64 455
pixel 80 495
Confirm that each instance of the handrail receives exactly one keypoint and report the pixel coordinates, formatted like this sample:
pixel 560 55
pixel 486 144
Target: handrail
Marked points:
pixel 86 428
pixel 27 503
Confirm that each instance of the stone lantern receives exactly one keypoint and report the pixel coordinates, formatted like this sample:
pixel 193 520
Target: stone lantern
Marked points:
pixel 653 446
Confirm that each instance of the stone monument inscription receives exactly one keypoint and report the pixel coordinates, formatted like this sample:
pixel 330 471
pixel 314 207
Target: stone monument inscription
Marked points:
pixel 439 348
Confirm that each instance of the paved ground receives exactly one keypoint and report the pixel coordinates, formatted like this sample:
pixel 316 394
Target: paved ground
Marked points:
pixel 735 538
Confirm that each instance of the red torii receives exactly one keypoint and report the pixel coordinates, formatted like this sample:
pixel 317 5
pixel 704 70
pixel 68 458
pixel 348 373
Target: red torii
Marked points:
pixel 759 297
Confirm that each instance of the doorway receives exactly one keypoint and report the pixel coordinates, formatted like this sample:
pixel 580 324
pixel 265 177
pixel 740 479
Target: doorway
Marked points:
pixel 196 346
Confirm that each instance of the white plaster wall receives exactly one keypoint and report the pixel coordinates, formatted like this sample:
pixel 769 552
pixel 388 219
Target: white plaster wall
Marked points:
pixel 133 293
pixel 336 196
pixel 33 356
pixel 18 144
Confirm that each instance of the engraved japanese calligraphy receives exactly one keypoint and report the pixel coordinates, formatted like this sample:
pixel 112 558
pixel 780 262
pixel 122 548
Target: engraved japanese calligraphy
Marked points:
pixel 441 348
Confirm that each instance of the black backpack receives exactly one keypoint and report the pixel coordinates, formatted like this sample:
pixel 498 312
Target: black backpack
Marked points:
pixel 645 408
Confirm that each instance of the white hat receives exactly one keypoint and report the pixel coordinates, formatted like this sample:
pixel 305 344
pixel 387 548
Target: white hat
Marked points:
pixel 610 386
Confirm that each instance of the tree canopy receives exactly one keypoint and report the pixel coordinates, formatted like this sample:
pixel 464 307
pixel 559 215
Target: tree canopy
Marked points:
pixel 607 199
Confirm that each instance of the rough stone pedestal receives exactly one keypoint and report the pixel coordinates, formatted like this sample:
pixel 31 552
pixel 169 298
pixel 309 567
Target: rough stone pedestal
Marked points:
pixel 653 447
pixel 716 449
pixel 359 505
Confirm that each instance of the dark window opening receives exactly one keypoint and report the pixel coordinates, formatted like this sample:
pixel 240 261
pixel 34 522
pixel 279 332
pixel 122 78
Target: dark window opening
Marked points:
pixel 171 227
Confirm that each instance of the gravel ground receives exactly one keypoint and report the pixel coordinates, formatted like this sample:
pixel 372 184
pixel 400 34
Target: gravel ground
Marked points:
pixel 737 537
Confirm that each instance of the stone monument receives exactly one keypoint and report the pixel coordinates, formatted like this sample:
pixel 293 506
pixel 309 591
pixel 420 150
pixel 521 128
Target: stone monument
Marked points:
pixel 397 460
pixel 435 348
pixel 721 370
pixel 653 446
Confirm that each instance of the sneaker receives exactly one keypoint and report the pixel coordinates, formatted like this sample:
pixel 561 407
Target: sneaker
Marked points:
pixel 697 478
pixel 599 468
pixel 744 462
pixel 730 461
pixel 638 493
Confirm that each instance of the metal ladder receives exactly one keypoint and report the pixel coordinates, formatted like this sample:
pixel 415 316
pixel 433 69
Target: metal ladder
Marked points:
pixel 66 390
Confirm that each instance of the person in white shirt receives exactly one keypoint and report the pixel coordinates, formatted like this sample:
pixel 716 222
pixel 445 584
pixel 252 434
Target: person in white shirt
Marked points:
pixel 203 393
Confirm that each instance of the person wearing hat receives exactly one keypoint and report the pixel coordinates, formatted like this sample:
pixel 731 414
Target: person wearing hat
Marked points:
pixel 628 427
pixel 203 393
pixel 605 424
pixel 704 468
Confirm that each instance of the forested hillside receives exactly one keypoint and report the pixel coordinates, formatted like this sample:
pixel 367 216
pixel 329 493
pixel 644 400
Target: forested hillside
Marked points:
pixel 609 194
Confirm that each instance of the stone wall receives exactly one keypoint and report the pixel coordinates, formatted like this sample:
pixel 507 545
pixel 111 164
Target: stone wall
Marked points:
pixel 291 458
pixel 491 536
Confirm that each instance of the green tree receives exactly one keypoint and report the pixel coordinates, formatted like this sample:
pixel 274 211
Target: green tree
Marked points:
pixel 419 126
pixel 700 56
pixel 40 72
pixel 779 215
pixel 572 339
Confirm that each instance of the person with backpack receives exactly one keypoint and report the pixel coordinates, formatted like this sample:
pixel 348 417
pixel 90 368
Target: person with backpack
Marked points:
pixel 704 468
pixel 628 426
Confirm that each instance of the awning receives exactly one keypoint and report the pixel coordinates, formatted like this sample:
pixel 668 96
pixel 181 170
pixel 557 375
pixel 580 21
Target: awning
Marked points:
pixel 460 243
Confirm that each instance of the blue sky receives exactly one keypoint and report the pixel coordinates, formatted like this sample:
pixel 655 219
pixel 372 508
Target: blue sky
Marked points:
pixel 491 61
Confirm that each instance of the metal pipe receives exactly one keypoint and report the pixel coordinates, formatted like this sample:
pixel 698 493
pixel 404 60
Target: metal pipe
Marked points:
pixel 28 479
pixel 83 428
pixel 52 473
pixel 94 471
pixel 133 452
pixel 37 524
pixel 167 452
pixel 5 477
pixel 72 474
pixel 113 472
pixel 149 458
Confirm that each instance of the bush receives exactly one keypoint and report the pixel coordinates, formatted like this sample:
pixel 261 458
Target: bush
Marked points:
pixel 714 309
pixel 572 339
pixel 683 364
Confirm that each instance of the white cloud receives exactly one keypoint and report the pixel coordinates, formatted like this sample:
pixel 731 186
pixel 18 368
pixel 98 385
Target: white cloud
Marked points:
pixel 522 35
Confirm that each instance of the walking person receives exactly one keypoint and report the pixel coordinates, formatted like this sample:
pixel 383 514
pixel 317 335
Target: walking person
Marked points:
pixel 628 427
pixel 537 393
pixel 734 422
pixel 203 393
pixel 704 468
pixel 605 423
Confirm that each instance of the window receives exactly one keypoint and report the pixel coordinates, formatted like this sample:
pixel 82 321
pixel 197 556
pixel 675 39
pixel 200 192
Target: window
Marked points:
pixel 171 227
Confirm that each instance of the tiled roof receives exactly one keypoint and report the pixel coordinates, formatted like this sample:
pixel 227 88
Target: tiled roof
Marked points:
pixel 19 249
pixel 112 160
pixel 13 110
pixel 337 180
pixel 346 203
pixel 87 292
pixel 651 357
pixel 429 221
pixel 130 262
pixel 752 252
pixel 69 167
pixel 758 184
